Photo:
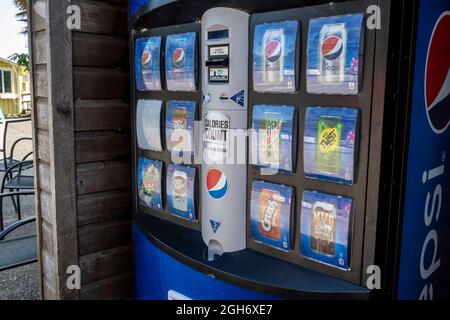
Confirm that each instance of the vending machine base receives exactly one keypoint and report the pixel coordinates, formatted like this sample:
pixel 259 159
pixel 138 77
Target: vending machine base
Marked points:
pixel 170 262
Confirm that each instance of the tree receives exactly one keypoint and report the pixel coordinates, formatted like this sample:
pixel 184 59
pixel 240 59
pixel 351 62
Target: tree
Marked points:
pixel 22 6
pixel 22 59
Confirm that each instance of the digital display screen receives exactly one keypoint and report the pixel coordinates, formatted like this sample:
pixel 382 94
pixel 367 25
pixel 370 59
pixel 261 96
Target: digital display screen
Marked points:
pixel 218 74
pixel 219 34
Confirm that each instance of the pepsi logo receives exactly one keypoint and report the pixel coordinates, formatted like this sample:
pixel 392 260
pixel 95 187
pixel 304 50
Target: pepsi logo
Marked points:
pixel 273 50
pixel 178 57
pixel 332 47
pixel 146 58
pixel 216 184
pixel 437 76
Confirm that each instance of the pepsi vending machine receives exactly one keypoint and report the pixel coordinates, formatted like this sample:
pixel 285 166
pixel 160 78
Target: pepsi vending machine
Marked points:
pixel 290 149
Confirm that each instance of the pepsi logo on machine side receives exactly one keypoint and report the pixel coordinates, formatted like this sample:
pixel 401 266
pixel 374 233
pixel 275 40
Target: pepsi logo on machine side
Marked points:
pixel 273 50
pixel 216 184
pixel 437 76
pixel 332 47
pixel 178 57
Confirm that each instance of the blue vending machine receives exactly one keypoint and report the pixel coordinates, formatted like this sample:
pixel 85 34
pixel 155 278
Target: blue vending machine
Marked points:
pixel 425 245
pixel 290 150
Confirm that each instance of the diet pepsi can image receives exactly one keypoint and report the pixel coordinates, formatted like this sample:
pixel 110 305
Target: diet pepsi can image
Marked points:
pixel 328 145
pixel 146 63
pixel 273 55
pixel 178 60
pixel 332 52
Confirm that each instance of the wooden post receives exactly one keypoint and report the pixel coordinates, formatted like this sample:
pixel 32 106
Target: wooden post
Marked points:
pixel 54 147
pixel 81 119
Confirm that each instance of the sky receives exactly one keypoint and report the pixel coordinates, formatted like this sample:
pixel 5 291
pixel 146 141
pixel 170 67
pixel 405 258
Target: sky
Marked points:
pixel 10 40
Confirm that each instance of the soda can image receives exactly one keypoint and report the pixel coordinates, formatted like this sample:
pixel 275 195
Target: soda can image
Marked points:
pixel 270 138
pixel 147 64
pixel 332 52
pixel 326 228
pixel 273 138
pixel 179 190
pixel 146 60
pixel 273 55
pixel 149 182
pixel 328 147
pixel 180 129
pixel 181 61
pixel 178 138
pixel 269 214
pixel 330 144
pixel 178 59
pixel 323 228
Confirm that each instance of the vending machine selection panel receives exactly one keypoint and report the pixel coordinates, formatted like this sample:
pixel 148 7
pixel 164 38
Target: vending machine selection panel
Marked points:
pixel 165 125
pixel 333 105
pixel 279 76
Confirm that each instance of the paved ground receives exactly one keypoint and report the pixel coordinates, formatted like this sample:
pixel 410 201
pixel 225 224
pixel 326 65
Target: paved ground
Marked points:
pixel 20 283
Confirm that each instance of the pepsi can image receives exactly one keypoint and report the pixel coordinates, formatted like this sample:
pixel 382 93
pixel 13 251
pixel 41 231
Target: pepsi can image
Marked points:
pixel 146 63
pixel 273 55
pixel 178 60
pixel 332 52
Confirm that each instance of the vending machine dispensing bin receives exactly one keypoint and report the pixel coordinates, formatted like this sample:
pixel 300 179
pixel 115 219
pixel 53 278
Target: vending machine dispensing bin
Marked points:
pixel 279 149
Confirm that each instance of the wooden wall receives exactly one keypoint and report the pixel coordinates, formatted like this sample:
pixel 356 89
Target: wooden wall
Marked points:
pixel 81 117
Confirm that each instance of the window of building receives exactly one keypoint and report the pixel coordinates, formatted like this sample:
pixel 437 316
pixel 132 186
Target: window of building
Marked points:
pixel 5 81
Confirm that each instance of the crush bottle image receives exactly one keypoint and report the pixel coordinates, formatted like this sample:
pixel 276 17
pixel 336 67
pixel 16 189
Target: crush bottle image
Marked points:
pixel 273 55
pixel 323 228
pixel 270 139
pixel 270 214
pixel 328 146
pixel 332 52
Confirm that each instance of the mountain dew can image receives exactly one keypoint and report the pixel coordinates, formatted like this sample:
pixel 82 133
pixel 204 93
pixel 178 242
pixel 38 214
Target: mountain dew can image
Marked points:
pixel 332 52
pixel 328 147
pixel 270 143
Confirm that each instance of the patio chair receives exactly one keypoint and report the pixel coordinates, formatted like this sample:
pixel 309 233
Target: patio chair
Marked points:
pixel 16 179
pixel 20 251
pixel 8 160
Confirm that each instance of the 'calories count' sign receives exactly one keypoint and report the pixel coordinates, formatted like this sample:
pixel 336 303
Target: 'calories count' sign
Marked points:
pixel 216 136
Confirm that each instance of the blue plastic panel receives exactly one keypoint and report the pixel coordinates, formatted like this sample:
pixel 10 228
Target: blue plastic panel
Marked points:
pixel 157 273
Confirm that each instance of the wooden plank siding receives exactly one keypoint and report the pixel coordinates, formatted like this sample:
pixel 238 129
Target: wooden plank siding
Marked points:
pixel 100 137
pixel 102 140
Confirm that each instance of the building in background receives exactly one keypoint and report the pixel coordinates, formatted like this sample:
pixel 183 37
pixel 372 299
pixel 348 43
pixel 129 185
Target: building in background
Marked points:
pixel 14 88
